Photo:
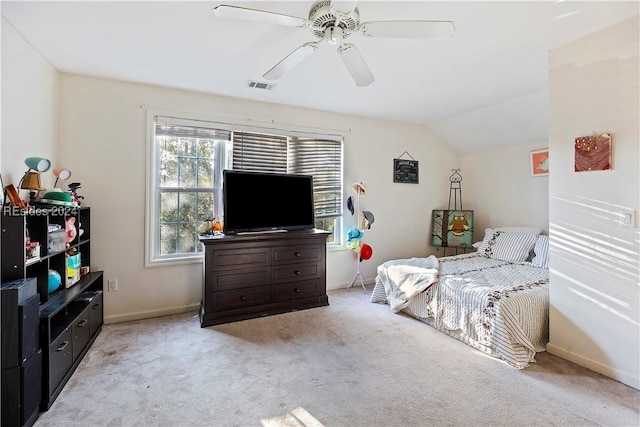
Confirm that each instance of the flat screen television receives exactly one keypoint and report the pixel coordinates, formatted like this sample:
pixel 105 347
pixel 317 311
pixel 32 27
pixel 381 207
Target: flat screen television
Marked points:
pixel 260 202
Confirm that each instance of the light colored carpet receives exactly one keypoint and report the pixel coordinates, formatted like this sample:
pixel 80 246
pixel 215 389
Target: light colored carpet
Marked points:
pixel 352 363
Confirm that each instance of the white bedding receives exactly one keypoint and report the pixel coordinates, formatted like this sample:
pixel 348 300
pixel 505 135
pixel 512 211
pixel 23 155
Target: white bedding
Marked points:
pixel 498 307
pixel 403 279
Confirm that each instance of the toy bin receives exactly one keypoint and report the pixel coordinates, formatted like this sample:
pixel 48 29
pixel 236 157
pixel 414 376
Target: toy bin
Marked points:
pixel 73 269
pixel 56 241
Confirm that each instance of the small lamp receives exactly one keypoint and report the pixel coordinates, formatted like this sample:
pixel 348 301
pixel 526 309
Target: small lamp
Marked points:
pixel 39 164
pixel 62 174
pixel 31 181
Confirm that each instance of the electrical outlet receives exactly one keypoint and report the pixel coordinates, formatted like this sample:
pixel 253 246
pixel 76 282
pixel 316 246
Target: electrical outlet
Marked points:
pixel 628 219
pixel 112 284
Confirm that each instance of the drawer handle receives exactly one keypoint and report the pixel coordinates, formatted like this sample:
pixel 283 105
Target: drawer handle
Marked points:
pixel 297 254
pixel 297 291
pixel 243 298
pixel 95 307
pixel 82 323
pixel 63 346
pixel 297 272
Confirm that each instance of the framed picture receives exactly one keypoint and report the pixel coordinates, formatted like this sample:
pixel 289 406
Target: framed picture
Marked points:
pixel 452 228
pixel 405 171
pixel 593 153
pixel 539 162
pixel 14 197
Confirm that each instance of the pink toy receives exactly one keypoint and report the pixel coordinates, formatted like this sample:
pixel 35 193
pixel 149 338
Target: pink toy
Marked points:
pixel 70 228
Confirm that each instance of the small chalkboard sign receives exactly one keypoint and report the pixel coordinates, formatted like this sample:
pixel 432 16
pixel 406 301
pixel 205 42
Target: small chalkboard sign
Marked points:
pixel 405 171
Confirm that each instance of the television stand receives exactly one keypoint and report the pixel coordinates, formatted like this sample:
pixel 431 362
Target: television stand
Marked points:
pixel 255 275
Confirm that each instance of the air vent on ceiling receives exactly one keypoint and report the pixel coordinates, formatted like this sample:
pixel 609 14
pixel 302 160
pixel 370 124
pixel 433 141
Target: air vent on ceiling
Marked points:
pixel 260 85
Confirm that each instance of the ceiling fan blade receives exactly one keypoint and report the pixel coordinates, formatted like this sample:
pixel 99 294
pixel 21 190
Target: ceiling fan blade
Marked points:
pixel 291 60
pixel 227 11
pixel 408 29
pixel 344 6
pixel 355 64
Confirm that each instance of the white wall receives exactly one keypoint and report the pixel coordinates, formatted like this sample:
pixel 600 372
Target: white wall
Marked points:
pixel 594 262
pixel 29 107
pixel 498 186
pixel 103 141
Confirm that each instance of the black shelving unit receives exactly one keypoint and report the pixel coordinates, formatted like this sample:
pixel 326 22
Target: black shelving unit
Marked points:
pixel 71 316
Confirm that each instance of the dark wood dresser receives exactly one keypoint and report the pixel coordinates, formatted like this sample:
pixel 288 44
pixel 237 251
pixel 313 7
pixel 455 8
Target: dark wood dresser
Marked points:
pixel 261 274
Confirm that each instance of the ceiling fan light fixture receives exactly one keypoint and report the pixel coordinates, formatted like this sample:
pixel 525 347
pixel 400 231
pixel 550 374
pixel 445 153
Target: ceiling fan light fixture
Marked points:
pixel 336 35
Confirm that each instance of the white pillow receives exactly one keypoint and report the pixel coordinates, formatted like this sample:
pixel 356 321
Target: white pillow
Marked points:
pixel 534 230
pixel 507 246
pixel 541 249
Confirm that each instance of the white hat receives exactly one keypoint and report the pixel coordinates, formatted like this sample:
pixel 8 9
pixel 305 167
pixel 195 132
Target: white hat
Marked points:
pixel 359 188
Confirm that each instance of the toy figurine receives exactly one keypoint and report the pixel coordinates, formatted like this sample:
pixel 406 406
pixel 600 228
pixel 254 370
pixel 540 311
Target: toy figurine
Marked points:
pixel 73 190
pixel 70 228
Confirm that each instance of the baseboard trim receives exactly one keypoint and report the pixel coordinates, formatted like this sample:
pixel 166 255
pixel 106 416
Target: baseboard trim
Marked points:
pixel 128 317
pixel 336 286
pixel 119 318
pixel 606 370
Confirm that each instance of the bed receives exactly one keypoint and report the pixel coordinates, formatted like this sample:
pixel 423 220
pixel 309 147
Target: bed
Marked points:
pixel 495 299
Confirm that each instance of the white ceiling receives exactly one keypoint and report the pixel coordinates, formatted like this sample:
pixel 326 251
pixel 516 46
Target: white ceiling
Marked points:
pixel 485 88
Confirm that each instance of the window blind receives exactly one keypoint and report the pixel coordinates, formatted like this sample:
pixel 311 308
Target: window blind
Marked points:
pixel 168 127
pixel 257 152
pixel 321 158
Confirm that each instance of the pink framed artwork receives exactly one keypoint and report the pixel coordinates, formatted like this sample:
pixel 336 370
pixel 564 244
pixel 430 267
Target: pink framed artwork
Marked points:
pixel 539 162
pixel 593 152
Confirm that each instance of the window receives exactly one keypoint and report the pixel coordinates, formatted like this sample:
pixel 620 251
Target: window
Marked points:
pixel 186 160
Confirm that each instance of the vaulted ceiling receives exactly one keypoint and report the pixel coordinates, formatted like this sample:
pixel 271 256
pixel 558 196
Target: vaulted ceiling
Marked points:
pixel 484 88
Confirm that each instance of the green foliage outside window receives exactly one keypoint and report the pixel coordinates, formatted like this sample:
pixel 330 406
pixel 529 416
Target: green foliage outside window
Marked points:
pixel 191 155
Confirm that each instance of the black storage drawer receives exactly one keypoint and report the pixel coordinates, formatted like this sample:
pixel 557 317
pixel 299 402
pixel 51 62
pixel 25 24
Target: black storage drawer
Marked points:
pixel 21 392
pixel 238 256
pixel 226 300
pixel 20 330
pixel 239 279
pixel 81 332
pixel 96 314
pixel 60 358
pixel 31 385
pixel 297 253
pixel 295 290
pixel 295 272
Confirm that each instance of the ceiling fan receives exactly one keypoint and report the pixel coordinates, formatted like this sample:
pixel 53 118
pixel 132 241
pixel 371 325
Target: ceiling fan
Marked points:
pixel 334 21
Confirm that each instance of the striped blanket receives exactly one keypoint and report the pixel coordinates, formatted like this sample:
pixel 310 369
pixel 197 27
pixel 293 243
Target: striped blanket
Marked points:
pixel 496 306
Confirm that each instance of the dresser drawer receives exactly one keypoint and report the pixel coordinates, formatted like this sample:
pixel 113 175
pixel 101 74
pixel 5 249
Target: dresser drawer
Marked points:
pixel 295 290
pixel 227 300
pixel 234 279
pixel 96 314
pixel 295 272
pixel 296 253
pixel 60 358
pixel 81 332
pixel 232 259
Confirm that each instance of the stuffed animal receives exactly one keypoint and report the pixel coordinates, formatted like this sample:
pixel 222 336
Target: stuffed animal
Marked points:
pixel 70 228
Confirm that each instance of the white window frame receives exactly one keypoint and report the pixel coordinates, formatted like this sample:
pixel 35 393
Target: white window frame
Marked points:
pixel 152 202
